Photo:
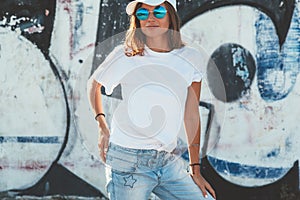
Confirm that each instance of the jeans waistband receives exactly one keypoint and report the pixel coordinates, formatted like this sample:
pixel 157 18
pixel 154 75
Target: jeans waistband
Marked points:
pixel 129 159
pixel 150 152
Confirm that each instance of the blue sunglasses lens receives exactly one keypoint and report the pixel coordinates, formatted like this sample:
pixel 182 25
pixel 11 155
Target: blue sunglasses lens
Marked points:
pixel 142 14
pixel 159 12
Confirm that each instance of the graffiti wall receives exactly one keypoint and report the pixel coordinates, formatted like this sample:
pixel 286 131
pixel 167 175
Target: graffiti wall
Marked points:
pixel 48 50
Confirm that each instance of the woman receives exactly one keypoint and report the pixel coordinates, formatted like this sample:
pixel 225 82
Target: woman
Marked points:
pixel 160 94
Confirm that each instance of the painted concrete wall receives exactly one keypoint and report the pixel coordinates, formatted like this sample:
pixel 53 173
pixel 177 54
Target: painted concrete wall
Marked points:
pixel 48 50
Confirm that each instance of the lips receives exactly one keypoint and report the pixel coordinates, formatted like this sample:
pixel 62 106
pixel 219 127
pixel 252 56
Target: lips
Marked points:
pixel 152 26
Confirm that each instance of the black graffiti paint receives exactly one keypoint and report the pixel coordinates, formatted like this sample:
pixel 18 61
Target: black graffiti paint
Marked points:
pixel 112 21
pixel 236 67
pixel 33 18
pixel 280 11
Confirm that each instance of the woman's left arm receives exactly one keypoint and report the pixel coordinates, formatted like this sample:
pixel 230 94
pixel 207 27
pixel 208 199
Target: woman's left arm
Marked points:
pixel 193 127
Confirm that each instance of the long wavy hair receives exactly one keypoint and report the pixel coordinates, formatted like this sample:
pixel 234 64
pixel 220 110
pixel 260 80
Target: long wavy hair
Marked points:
pixel 135 39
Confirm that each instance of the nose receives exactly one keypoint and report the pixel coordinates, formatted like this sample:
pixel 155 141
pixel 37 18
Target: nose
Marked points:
pixel 151 16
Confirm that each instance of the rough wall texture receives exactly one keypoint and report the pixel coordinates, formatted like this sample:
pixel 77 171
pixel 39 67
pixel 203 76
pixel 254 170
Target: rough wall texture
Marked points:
pixel 48 50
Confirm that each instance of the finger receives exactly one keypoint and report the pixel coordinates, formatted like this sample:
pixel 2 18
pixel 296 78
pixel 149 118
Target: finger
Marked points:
pixel 212 192
pixel 101 151
pixel 102 156
pixel 210 189
pixel 203 189
pixel 100 145
pixel 105 148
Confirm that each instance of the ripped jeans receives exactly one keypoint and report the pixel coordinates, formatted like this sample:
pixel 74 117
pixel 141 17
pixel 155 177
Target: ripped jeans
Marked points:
pixel 133 174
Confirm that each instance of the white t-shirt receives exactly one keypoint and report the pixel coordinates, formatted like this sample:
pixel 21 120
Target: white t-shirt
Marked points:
pixel 154 91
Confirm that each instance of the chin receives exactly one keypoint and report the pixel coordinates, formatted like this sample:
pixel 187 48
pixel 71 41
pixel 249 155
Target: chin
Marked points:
pixel 154 31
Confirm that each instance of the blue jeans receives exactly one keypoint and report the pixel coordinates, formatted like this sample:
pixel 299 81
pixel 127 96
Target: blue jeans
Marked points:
pixel 133 174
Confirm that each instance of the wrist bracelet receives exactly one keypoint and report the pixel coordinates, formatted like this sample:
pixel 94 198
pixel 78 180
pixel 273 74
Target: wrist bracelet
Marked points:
pixel 192 165
pixel 99 115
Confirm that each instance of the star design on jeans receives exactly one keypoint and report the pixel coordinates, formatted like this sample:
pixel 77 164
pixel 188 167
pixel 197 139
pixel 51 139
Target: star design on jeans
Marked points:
pixel 129 181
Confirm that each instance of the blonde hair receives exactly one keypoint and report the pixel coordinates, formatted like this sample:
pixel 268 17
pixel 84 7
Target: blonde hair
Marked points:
pixel 135 39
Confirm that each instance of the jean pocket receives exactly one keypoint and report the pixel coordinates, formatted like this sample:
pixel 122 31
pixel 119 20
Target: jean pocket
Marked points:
pixel 120 161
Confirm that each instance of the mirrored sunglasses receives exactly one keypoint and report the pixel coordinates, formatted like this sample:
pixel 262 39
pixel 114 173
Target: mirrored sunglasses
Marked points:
pixel 159 12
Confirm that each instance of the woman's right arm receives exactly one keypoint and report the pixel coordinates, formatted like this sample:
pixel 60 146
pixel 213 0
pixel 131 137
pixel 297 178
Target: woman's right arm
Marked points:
pixel 95 100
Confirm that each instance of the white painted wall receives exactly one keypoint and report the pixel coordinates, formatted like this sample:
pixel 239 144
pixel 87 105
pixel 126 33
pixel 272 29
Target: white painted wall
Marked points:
pixel 247 132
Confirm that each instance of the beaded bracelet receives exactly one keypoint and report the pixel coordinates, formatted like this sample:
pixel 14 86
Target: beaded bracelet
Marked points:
pixel 99 115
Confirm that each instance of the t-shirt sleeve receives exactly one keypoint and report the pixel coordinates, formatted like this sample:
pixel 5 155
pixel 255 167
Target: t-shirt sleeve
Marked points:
pixel 107 72
pixel 198 61
pixel 197 76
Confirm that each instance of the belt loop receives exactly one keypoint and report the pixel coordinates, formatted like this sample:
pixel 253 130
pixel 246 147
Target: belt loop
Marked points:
pixel 157 154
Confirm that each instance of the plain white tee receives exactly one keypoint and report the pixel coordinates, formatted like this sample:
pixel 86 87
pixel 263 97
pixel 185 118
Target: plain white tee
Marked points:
pixel 154 91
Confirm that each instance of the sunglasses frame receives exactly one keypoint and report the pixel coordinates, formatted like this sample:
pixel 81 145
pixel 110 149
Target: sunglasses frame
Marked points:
pixel 156 12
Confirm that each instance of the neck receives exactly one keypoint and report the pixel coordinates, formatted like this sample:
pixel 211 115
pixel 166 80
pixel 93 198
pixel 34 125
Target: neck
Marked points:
pixel 160 44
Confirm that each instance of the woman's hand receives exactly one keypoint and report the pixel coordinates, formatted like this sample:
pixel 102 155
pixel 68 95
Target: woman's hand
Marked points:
pixel 203 185
pixel 103 141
